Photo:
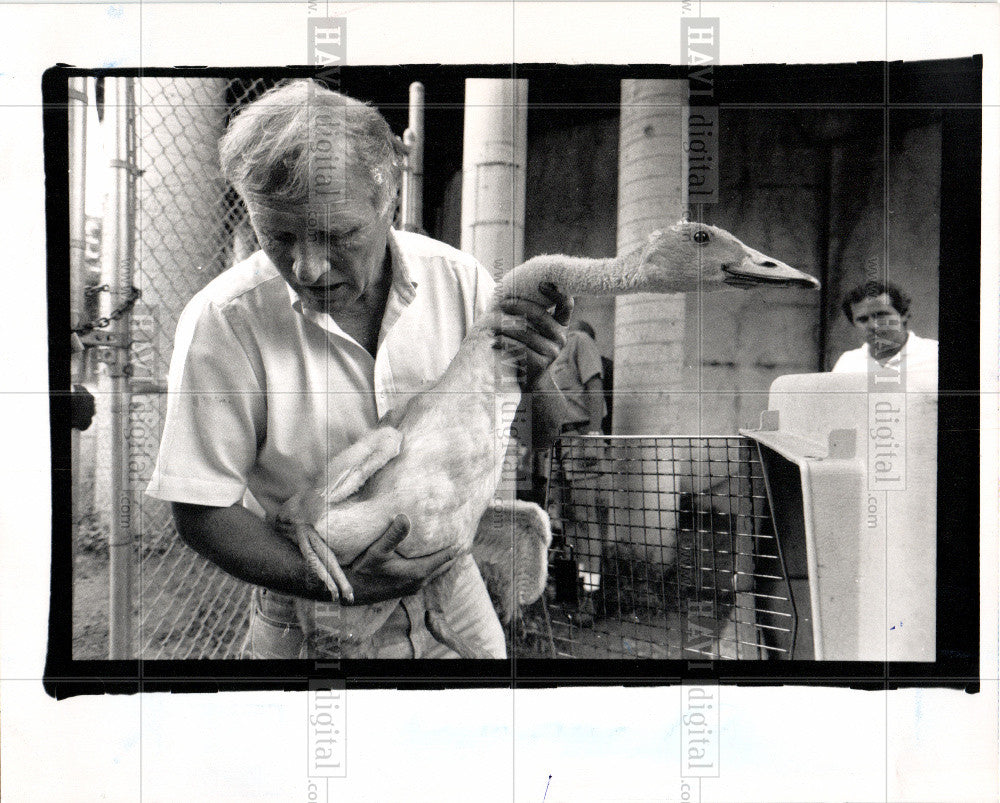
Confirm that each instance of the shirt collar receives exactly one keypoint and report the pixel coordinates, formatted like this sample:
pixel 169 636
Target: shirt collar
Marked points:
pixel 401 292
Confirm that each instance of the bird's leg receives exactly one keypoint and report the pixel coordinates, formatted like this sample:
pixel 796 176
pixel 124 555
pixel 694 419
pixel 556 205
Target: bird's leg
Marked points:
pixel 443 632
pixel 322 561
pixel 345 474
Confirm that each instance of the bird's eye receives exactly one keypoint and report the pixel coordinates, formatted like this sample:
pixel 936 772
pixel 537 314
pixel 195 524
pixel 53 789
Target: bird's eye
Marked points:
pixel 701 236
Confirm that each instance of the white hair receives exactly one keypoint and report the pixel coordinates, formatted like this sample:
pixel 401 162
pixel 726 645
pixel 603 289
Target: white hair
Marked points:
pixel 277 146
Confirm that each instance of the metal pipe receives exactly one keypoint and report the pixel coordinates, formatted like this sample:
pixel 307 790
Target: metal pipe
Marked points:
pixel 116 272
pixel 412 211
pixel 77 110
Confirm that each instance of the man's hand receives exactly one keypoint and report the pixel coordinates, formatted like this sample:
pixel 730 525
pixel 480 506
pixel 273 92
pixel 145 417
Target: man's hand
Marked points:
pixel 532 333
pixel 377 574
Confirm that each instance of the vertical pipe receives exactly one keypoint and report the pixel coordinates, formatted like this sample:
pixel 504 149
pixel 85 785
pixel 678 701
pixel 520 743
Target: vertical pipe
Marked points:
pixel 77 190
pixel 493 171
pixel 649 329
pixel 77 109
pixel 116 270
pixel 412 211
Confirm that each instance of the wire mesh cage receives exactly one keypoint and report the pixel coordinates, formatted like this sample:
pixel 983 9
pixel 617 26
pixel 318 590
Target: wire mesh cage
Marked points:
pixel 663 547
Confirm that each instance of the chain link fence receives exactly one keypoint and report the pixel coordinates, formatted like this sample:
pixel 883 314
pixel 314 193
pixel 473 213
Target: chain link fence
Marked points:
pixel 189 226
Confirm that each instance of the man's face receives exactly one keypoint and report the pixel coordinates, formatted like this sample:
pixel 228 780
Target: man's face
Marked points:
pixel 332 254
pixel 883 327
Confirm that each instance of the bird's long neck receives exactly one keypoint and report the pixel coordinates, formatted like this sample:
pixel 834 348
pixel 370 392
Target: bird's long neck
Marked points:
pixel 575 276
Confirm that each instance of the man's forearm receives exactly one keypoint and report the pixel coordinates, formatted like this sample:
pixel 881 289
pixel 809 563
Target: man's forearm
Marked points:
pixel 594 395
pixel 548 410
pixel 244 545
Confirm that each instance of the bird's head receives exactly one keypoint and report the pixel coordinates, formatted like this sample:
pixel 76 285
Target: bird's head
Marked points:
pixel 695 256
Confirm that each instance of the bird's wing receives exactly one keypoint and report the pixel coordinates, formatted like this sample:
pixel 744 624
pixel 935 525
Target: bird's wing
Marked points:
pixel 348 471
pixel 511 550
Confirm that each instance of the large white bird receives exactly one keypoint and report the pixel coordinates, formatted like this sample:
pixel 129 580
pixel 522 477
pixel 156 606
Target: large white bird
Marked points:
pixel 438 458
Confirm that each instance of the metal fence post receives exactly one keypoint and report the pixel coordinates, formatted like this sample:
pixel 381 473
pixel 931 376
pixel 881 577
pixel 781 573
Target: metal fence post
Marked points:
pixel 77 109
pixel 412 211
pixel 116 269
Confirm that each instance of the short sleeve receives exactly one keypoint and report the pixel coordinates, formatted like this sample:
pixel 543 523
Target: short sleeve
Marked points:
pixel 485 290
pixel 215 413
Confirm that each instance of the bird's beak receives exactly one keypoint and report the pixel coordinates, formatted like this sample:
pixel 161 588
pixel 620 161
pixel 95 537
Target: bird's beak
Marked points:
pixel 759 269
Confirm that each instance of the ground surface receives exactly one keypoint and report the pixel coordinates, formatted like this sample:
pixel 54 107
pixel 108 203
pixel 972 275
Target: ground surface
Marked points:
pixel 90 604
pixel 187 608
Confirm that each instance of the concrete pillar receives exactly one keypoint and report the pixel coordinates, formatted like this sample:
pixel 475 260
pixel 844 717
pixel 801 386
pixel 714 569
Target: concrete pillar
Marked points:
pixel 494 158
pixel 412 194
pixel 649 329
pixel 493 169
pixel 652 194
pixel 180 245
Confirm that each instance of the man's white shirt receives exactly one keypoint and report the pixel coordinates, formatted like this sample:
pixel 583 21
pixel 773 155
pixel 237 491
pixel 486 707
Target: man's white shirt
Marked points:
pixel 917 361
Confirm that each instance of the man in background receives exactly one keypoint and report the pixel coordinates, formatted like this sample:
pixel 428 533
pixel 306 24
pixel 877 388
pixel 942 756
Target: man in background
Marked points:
pixel 578 372
pixel 880 311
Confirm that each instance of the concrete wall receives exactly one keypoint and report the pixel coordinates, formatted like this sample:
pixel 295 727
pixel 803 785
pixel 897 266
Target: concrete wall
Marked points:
pixel 739 341
pixel 912 225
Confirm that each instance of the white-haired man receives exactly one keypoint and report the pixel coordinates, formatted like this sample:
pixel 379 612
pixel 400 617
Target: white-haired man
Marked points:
pixel 295 353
